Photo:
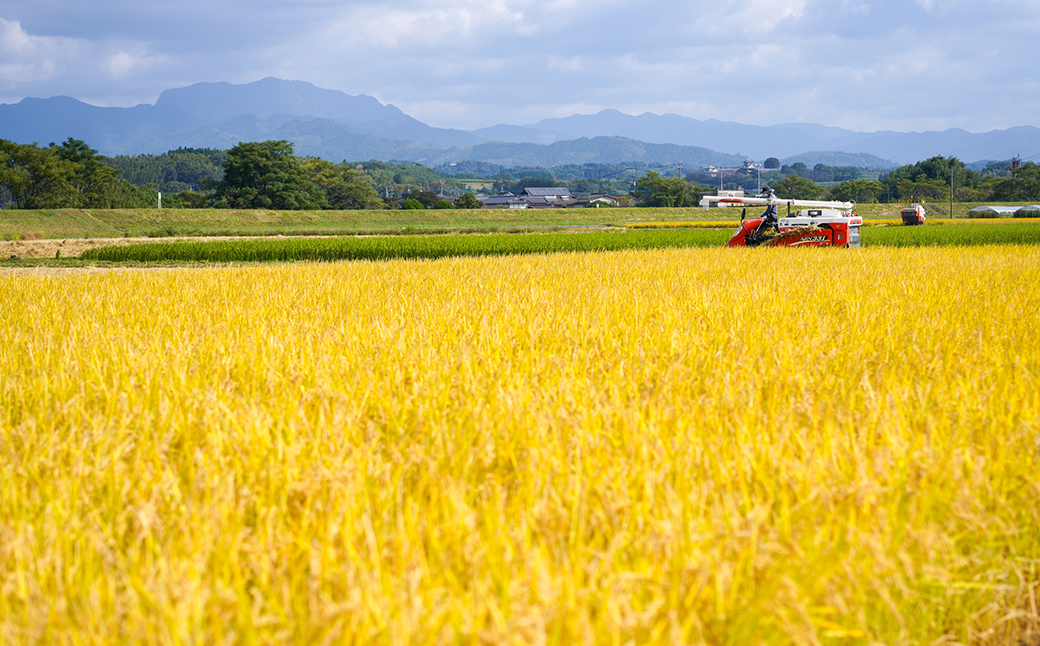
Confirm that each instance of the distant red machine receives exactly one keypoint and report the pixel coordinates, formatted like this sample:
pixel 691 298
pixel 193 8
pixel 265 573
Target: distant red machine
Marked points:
pixel 913 216
pixel 818 224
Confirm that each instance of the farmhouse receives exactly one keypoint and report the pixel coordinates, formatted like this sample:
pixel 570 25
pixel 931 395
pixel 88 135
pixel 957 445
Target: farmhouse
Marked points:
pixel 503 201
pixel 554 194
pixel 596 200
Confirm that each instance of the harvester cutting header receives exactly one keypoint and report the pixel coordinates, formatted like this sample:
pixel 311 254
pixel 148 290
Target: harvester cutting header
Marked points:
pixel 818 223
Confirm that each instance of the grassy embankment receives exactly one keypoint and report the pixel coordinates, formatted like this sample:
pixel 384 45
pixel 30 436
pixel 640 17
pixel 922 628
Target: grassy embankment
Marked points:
pixel 118 223
pixel 99 223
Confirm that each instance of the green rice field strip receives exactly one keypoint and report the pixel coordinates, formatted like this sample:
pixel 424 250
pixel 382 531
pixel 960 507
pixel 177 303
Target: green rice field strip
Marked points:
pixel 955 236
pixel 383 248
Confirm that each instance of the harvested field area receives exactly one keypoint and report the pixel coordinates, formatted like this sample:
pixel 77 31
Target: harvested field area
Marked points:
pixel 68 247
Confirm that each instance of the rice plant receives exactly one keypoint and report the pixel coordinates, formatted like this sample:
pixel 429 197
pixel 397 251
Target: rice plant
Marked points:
pixel 390 247
pixel 704 446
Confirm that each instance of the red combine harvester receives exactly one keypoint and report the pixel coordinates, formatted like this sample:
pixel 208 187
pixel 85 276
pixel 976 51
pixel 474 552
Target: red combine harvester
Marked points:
pixel 817 224
pixel 913 216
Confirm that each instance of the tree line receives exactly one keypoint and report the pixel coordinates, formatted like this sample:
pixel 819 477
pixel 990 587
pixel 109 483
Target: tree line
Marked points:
pixel 262 175
pixel 184 169
pixel 69 175
pixel 930 180
pixel 269 175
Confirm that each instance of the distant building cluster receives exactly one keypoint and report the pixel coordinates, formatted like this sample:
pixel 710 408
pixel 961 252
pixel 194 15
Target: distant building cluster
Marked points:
pixel 748 168
pixel 546 198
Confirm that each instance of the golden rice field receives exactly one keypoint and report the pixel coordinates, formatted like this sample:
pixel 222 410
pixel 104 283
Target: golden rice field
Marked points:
pixel 700 446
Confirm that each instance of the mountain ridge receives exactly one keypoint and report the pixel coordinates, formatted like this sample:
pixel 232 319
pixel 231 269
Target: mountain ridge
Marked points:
pixel 338 127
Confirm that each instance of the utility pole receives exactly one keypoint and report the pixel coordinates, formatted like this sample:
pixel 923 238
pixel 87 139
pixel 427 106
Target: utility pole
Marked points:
pixel 951 190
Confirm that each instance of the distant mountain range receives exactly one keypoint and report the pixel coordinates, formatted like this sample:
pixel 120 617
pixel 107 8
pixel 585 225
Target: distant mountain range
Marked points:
pixel 337 126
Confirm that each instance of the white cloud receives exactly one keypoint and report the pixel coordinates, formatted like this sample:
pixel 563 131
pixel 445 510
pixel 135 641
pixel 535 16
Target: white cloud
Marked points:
pixel 932 6
pixel 120 64
pixel 13 73
pixel 31 58
pixel 124 64
pixel 855 8
pixel 737 19
pixel 565 64
pixel 390 27
pixel 469 63
pixel 13 38
pixel 45 66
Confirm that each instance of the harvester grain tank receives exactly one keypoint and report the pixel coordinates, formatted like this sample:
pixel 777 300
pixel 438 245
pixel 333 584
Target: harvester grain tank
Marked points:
pixel 913 215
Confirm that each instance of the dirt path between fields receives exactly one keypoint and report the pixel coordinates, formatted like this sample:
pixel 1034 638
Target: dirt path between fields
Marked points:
pixel 72 247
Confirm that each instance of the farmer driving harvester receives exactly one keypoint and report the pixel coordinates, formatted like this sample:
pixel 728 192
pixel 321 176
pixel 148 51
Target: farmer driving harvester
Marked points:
pixel 770 213
pixel 769 216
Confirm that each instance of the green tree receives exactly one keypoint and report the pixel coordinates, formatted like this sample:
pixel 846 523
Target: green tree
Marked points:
pixel 771 163
pixel 426 198
pixel 36 178
pixel 858 190
pixel 267 175
pixel 412 204
pixel 121 194
pixel 654 190
pixel 187 200
pixel 94 182
pixel 343 186
pixel 69 175
pixel 467 201
pixel 1024 184
pixel 921 189
pixel 794 187
pixel 844 173
pixel 930 179
pixel 174 171
pixel 443 204
pixel 822 173
pixel 396 178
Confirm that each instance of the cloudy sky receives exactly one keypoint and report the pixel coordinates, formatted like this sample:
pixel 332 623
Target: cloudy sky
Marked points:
pixel 905 65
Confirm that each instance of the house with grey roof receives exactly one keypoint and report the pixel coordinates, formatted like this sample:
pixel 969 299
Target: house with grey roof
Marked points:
pixel 556 193
pixel 502 201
